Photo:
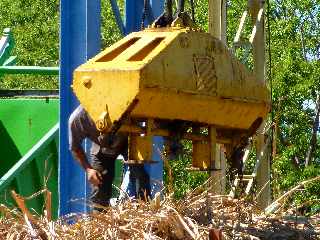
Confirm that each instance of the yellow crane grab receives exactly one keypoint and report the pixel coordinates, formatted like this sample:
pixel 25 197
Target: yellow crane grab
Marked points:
pixel 170 75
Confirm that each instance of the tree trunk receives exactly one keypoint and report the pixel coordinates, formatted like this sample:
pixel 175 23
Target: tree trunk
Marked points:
pixel 303 44
pixel 276 129
pixel 313 140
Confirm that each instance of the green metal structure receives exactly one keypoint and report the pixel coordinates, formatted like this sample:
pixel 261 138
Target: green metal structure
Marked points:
pixel 6 46
pixel 29 137
pixel 29 156
pixel 29 133
pixel 7 61
pixel 29 70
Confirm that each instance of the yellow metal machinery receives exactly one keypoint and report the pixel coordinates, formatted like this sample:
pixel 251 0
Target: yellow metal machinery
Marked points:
pixel 173 80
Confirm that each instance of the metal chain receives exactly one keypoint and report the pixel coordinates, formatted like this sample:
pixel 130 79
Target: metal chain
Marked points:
pixel 168 10
pixel 192 11
pixel 180 7
pixel 144 13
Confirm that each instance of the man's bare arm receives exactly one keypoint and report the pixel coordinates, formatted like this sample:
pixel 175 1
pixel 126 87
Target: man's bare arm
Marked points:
pixel 81 157
pixel 94 176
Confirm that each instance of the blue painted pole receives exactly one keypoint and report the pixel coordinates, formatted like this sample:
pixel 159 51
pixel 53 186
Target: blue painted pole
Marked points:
pixel 134 10
pixel 157 7
pixel 117 15
pixel 133 15
pixel 79 40
pixel 155 171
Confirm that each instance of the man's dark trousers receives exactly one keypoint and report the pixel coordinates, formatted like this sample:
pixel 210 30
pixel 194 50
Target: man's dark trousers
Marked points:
pixel 106 166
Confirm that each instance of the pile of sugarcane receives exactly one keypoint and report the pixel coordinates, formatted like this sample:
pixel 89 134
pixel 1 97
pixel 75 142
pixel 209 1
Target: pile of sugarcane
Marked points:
pixel 193 217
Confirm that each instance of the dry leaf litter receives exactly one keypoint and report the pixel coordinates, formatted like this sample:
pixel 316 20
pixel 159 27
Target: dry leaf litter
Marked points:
pixel 189 218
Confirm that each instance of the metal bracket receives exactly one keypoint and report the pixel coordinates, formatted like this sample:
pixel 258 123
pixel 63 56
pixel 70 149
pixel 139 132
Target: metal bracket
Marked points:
pixel 203 169
pixel 135 162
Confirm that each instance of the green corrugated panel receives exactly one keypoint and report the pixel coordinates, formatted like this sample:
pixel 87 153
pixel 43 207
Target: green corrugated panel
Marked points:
pixel 23 122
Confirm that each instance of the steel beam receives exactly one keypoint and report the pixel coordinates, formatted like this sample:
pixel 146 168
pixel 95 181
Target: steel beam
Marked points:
pixel 6 179
pixel 134 10
pixel 133 15
pixel 157 7
pixel 32 93
pixel 217 19
pixel 29 70
pixel 117 15
pixel 217 28
pixel 256 8
pixel 155 171
pixel 257 38
pixel 6 46
pixel 79 40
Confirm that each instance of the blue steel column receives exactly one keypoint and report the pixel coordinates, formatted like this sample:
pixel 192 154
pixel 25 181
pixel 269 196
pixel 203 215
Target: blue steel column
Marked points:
pixel 156 170
pixel 134 10
pixel 133 17
pixel 157 7
pixel 79 40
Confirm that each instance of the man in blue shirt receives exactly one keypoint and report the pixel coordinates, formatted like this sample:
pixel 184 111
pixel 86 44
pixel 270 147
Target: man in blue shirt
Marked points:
pixel 104 151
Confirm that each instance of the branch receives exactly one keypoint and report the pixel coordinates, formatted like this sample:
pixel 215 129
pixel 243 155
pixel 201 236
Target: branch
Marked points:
pixel 313 140
pixel 277 203
pixel 303 44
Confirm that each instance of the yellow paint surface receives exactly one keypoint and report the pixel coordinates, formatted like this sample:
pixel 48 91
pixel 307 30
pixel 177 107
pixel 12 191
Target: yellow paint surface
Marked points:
pixel 174 74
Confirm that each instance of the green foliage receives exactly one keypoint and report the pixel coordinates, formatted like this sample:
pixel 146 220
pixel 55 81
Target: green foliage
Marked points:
pixel 35 28
pixel 287 175
pixel 182 179
pixel 295 76
pixel 110 32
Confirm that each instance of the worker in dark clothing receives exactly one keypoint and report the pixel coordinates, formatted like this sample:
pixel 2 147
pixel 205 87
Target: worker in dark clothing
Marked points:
pixel 104 151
